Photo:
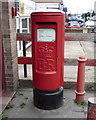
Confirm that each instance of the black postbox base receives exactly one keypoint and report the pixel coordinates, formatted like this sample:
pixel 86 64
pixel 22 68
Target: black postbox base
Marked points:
pixel 48 100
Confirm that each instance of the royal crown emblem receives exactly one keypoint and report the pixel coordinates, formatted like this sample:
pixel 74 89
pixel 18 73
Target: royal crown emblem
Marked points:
pixel 46 51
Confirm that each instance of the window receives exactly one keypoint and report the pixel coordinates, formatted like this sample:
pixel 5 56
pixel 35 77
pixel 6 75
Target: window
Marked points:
pixel 17 6
pixel 24 23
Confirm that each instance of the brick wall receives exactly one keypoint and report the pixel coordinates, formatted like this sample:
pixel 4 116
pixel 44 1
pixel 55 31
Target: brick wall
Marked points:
pixel 9 45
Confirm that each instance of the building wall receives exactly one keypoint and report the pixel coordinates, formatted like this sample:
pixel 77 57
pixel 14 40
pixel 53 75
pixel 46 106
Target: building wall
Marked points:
pixel 9 46
pixel 47 1
pixel 47 6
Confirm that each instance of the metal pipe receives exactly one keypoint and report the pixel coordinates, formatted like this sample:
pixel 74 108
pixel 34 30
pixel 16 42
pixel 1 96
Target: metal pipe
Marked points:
pixel 24 55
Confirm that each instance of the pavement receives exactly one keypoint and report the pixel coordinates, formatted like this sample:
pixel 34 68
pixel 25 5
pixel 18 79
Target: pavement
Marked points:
pixel 5 99
pixel 68 110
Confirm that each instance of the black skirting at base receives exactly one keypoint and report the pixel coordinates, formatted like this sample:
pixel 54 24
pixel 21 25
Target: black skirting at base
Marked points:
pixel 48 100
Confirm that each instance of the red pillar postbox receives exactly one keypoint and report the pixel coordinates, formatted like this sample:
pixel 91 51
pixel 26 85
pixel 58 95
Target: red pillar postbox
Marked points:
pixel 48 58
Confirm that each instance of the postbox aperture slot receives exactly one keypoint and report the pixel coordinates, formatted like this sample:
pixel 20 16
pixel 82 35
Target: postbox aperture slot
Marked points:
pixel 46 23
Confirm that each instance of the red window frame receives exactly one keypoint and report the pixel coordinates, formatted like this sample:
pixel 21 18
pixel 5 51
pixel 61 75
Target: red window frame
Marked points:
pixel 3 88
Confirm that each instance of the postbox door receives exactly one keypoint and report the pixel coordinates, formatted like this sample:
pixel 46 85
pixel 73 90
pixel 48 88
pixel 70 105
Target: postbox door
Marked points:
pixel 46 49
pixel 48 56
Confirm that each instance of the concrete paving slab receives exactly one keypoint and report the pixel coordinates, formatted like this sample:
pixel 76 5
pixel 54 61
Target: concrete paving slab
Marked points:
pixel 68 110
pixel 73 49
pixel 5 99
pixel 88 47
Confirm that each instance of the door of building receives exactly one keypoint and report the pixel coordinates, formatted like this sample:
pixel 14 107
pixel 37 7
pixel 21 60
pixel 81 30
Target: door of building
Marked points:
pixel 2 82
